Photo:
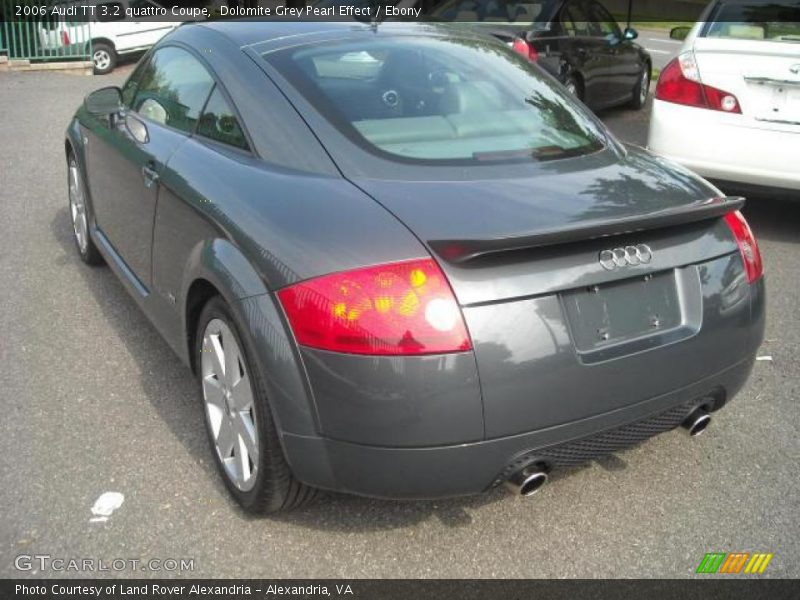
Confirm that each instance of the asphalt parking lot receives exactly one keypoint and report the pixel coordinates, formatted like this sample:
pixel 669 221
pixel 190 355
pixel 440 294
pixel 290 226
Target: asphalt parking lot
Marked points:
pixel 94 401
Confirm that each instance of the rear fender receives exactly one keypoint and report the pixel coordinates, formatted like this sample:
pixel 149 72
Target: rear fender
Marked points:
pixel 269 341
pixel 73 142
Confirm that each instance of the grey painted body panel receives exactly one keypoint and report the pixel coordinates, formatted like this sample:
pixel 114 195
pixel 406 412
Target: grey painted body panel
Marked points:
pixel 249 224
pixel 407 401
pixel 533 377
pixel 462 469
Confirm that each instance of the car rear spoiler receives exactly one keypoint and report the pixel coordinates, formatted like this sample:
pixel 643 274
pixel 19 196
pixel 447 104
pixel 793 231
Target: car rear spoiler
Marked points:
pixel 460 251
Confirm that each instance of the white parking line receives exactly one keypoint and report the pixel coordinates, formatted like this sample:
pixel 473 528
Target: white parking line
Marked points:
pixel 659 51
pixel 660 41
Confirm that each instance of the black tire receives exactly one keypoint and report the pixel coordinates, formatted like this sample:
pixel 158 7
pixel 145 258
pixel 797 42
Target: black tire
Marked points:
pixel 105 56
pixel 641 89
pixel 275 488
pixel 88 250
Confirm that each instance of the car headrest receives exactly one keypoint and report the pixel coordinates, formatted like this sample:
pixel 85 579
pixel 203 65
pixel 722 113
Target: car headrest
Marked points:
pixel 750 32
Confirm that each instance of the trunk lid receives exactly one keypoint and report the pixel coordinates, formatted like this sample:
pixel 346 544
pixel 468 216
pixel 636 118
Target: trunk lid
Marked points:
pixel 763 75
pixel 487 232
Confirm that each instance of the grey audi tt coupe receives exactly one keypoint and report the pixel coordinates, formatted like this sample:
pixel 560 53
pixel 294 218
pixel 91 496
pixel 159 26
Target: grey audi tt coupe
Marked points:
pixel 404 262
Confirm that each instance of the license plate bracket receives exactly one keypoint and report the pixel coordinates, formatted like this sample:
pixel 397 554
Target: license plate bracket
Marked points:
pixel 775 100
pixel 622 311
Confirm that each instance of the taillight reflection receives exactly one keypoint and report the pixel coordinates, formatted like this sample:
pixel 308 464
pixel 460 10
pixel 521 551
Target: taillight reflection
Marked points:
pixel 525 49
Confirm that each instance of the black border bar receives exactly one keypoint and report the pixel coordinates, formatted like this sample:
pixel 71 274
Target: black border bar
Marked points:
pixel 706 588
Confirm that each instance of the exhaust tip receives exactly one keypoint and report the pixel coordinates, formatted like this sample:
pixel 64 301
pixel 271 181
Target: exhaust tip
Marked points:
pixel 533 484
pixel 526 482
pixel 697 422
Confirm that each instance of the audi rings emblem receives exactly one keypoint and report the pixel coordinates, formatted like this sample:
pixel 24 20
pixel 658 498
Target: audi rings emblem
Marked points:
pixel 628 256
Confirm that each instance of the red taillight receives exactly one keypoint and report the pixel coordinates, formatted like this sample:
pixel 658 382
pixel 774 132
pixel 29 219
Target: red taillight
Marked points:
pixel 680 83
pixel 399 308
pixel 65 38
pixel 527 50
pixel 751 256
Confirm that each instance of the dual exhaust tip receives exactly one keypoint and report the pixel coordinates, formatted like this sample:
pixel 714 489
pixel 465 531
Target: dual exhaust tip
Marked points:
pixel 697 422
pixel 529 480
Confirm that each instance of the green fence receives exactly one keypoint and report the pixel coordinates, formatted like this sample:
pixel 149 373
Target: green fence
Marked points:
pixel 32 31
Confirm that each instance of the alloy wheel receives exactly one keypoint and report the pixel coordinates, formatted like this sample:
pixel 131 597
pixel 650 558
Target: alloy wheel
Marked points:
pixel 230 406
pixel 77 207
pixel 644 88
pixel 102 59
pixel 572 88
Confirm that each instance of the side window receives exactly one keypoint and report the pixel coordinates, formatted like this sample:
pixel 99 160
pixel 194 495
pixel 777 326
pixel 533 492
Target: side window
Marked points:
pixel 132 84
pixel 219 123
pixel 605 22
pixel 461 11
pixel 567 24
pixel 577 22
pixel 172 89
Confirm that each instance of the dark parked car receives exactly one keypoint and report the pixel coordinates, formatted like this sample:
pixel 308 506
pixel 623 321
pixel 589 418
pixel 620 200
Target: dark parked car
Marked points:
pixel 577 41
pixel 403 262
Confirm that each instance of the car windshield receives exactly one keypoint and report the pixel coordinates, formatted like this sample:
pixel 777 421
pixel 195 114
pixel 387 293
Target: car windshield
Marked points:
pixel 773 20
pixel 439 99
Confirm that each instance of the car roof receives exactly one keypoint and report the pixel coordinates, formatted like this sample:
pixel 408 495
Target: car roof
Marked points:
pixel 277 34
pixel 246 32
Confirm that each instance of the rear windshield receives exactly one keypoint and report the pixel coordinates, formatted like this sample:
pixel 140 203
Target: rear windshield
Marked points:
pixel 768 20
pixel 439 99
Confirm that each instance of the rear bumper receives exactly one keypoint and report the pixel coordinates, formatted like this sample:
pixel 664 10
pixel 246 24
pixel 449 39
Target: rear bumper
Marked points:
pixel 464 469
pixel 725 147
pixel 401 428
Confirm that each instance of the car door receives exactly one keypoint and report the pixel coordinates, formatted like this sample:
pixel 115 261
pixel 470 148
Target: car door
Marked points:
pixel 585 51
pixel 622 59
pixel 163 102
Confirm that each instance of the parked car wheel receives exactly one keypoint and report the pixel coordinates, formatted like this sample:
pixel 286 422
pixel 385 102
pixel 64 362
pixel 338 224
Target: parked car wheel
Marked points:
pixel 574 87
pixel 238 418
pixel 642 88
pixel 104 58
pixel 79 213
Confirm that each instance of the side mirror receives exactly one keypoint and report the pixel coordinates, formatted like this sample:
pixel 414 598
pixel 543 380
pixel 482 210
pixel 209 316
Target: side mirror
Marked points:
pixel 630 34
pixel 137 129
pixel 105 101
pixel 679 33
pixel 532 35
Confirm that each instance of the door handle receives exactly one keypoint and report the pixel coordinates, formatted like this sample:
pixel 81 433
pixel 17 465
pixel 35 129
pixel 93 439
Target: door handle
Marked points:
pixel 149 174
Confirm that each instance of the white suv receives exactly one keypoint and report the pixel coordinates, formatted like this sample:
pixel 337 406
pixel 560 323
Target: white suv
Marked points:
pixel 111 35
pixel 728 107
